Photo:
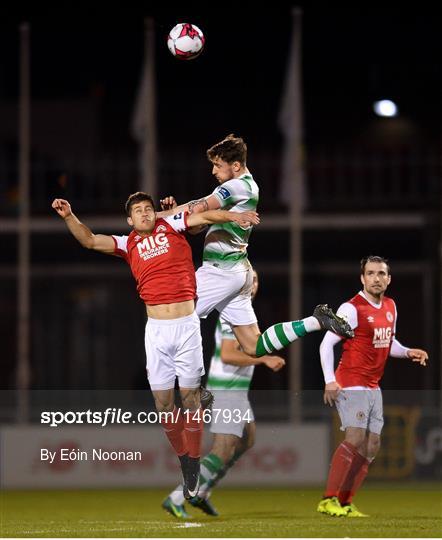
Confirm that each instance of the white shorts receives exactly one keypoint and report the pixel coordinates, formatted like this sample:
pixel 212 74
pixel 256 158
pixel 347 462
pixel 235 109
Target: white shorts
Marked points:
pixel 361 409
pixel 231 411
pixel 226 290
pixel 174 349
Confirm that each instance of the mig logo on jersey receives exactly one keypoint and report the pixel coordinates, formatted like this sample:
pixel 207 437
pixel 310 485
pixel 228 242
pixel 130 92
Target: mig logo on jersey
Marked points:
pixel 382 338
pixel 152 246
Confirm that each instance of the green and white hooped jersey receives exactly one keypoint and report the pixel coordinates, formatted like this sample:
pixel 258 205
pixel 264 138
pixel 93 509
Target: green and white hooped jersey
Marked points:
pixel 226 244
pixel 225 376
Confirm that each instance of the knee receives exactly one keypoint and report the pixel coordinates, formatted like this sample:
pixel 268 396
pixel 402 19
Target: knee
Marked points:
pixel 191 399
pixel 164 400
pixel 250 443
pixel 164 405
pixel 250 440
pixel 358 440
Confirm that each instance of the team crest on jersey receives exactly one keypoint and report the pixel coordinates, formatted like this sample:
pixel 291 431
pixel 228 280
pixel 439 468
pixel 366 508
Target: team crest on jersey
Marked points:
pixel 161 228
pixel 225 193
pixel 370 319
pixel 137 237
pixel 360 415
pixel 389 316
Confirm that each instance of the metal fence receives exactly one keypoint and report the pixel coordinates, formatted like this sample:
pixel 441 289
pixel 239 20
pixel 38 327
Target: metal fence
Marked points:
pixel 336 180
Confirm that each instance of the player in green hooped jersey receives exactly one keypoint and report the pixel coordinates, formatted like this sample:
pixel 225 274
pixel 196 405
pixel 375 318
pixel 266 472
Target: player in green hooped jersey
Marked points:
pixel 224 281
pixel 232 421
pixel 225 278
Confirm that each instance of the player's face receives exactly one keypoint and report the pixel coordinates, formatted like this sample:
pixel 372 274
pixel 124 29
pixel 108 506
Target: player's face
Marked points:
pixel 224 171
pixel 375 279
pixel 142 217
pixel 255 284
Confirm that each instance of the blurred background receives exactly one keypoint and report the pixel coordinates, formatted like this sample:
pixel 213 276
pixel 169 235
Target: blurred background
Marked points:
pixel 338 180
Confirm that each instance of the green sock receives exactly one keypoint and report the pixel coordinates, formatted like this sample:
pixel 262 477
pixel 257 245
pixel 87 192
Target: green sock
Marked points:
pixel 223 471
pixel 210 467
pixel 278 336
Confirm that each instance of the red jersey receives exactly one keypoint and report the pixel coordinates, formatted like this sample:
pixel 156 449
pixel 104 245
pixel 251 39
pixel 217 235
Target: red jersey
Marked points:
pixel 364 356
pixel 161 262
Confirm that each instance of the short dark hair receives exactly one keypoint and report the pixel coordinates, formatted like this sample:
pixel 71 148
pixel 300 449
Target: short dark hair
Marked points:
pixel 230 149
pixel 375 259
pixel 135 198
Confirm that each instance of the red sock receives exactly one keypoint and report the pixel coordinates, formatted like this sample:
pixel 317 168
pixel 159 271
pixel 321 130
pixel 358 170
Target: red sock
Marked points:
pixel 174 430
pixel 359 478
pixel 347 490
pixel 193 426
pixel 340 465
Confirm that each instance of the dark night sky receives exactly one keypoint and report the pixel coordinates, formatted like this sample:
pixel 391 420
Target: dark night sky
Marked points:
pixel 350 57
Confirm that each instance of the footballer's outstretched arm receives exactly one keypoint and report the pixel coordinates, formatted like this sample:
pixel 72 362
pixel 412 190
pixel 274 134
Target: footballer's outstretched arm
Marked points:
pixel 89 240
pixel 244 219
pixel 169 206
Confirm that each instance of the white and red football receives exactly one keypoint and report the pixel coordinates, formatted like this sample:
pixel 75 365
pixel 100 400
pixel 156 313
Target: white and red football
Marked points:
pixel 185 41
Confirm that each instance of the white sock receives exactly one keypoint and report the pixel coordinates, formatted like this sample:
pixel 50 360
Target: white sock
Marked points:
pixel 177 496
pixel 311 324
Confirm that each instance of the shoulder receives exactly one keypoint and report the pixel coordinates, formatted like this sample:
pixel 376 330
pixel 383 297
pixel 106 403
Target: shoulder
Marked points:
pixel 249 181
pixel 390 304
pixel 235 186
pixel 226 189
pixel 177 222
pixel 121 244
pixel 349 311
pixel 358 300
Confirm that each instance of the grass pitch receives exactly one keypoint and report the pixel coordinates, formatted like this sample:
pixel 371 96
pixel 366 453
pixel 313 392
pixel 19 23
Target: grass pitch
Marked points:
pixel 406 510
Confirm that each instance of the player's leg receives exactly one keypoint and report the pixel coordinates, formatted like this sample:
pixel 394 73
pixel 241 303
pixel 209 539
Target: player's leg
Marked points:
pixel 175 432
pixel 164 400
pixel 240 314
pixel 225 441
pixel 161 374
pixel 193 432
pixel 357 474
pixel 193 420
pixel 358 462
pixel 189 367
pixel 226 434
pixel 171 420
pixel 367 453
pixel 372 448
pixel 230 416
pixel 242 445
pixel 353 408
pixel 280 335
pixel 211 465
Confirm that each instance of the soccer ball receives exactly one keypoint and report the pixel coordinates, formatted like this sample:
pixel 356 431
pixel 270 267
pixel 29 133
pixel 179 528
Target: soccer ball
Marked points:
pixel 185 41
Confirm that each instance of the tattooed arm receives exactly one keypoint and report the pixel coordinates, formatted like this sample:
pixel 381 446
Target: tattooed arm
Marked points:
pixel 169 206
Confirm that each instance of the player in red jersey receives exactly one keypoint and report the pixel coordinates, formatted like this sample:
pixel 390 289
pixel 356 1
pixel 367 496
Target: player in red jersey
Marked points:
pixel 354 387
pixel 161 262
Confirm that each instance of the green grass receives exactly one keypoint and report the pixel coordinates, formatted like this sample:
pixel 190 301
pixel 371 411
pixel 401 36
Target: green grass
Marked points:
pixel 411 510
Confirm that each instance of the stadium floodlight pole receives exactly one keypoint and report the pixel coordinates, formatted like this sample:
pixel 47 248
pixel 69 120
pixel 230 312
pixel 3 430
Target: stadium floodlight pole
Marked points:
pixel 440 294
pixel 143 124
pixel 23 298
pixel 292 192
